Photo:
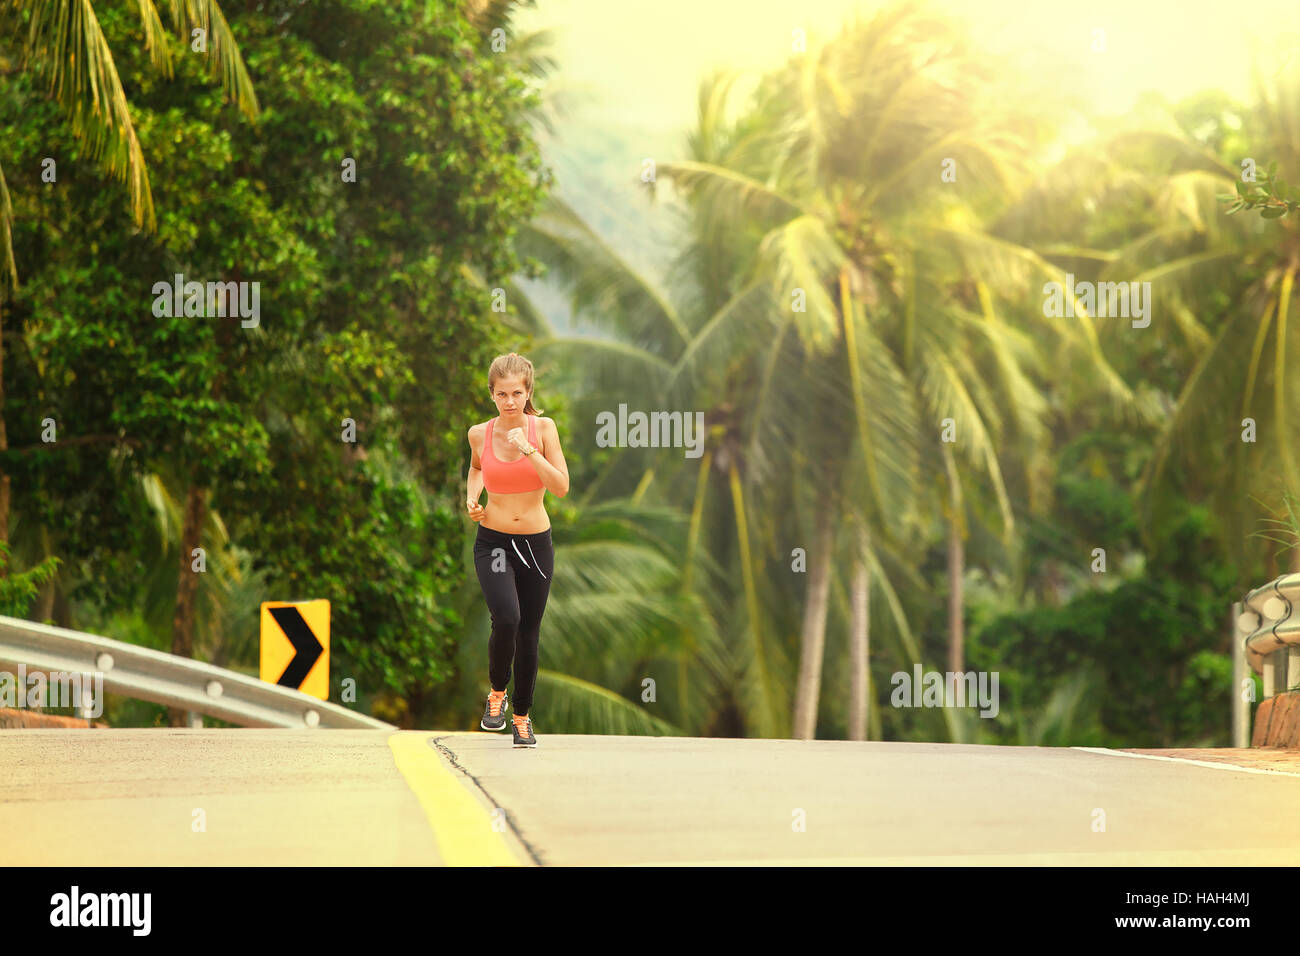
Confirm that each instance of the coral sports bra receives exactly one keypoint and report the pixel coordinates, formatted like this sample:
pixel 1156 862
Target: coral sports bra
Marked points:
pixel 510 477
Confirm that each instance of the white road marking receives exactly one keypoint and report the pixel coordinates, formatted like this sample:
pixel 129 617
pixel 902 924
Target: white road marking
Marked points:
pixel 1198 763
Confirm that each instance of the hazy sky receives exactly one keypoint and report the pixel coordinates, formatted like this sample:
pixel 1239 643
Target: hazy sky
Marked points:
pixel 638 64
pixel 642 59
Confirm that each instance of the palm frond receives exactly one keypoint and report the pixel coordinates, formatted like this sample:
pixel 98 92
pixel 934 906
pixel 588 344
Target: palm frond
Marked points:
pixel 1010 267
pixel 223 53
pixel 1015 356
pixel 66 46
pixel 1207 395
pixel 527 318
pixel 606 364
pixel 801 255
pixel 903 630
pixel 744 319
pixel 605 290
pixel 582 707
pixel 947 397
pixel 155 38
pixel 732 194
pixel 8 268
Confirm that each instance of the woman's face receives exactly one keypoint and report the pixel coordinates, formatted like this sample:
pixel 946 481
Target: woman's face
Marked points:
pixel 510 395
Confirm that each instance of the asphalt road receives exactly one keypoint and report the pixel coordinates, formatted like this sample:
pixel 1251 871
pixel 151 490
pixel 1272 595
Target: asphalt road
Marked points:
pixel 237 797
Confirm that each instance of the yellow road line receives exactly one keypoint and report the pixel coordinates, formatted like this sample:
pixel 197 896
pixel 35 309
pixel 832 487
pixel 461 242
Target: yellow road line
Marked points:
pixel 461 826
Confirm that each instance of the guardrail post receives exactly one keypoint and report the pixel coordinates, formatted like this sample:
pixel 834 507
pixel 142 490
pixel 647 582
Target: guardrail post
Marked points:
pixel 1270 674
pixel 1240 705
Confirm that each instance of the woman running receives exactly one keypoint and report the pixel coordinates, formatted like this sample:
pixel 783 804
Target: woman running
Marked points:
pixel 512 550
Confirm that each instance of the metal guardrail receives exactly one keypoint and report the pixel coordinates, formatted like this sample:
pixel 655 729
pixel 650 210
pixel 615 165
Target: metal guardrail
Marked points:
pixel 146 674
pixel 1270 633
pixel 1268 641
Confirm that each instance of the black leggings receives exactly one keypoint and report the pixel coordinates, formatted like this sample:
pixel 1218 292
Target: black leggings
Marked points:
pixel 514 571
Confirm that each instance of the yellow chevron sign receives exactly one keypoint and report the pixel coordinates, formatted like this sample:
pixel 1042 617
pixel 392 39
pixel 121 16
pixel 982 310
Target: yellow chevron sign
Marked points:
pixel 296 645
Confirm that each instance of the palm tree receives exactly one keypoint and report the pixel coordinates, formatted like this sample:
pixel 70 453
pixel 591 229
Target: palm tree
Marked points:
pixel 826 189
pixel 228 607
pixel 60 41
pixel 837 174
pixel 752 243
pixel 1239 379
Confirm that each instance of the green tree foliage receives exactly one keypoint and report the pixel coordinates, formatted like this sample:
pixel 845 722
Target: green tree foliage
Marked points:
pixel 826 175
pixel 1267 193
pixel 1153 649
pixel 18 589
pixel 375 307
pixel 924 302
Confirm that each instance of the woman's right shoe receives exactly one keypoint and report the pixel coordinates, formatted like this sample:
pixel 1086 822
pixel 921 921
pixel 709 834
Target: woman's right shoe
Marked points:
pixel 494 713
pixel 524 732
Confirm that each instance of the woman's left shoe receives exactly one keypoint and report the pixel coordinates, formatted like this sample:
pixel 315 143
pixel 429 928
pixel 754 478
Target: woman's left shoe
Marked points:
pixel 524 732
pixel 494 712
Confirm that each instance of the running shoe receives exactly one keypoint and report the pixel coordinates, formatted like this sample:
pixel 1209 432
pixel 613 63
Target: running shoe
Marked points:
pixel 494 714
pixel 524 732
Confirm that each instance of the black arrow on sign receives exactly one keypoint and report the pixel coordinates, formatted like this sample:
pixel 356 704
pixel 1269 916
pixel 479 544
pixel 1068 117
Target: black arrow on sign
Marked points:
pixel 304 643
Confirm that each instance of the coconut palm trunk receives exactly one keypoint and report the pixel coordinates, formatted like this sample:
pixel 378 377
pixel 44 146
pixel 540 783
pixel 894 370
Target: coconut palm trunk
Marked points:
pixel 813 638
pixel 4 446
pixel 766 712
pixel 692 542
pixel 860 639
pixel 956 561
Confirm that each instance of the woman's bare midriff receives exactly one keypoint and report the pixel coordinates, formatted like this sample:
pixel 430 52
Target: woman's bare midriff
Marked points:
pixel 516 514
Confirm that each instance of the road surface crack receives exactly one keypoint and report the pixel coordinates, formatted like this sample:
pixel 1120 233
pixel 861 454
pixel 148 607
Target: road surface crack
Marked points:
pixel 509 815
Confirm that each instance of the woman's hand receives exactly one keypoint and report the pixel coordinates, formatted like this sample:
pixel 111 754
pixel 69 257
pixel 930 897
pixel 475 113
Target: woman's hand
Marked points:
pixel 475 510
pixel 516 437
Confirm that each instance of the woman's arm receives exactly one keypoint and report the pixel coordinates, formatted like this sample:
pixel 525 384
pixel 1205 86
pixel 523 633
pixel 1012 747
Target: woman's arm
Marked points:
pixel 474 482
pixel 551 466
